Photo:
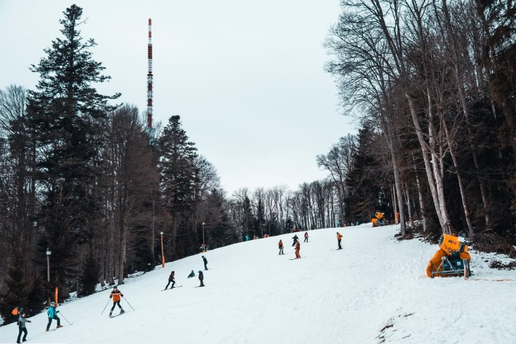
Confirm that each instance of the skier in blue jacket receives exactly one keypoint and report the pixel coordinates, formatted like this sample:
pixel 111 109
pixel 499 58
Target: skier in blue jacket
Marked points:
pixel 52 314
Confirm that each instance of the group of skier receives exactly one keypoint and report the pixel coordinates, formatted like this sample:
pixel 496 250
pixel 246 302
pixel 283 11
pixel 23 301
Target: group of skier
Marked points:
pixel 22 321
pixel 116 295
pixel 297 245
pixel 172 279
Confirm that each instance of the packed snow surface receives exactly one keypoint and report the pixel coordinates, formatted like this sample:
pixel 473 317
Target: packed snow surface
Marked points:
pixel 374 290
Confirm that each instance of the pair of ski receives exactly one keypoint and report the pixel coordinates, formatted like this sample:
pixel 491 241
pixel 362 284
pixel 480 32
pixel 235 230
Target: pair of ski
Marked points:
pixel 179 286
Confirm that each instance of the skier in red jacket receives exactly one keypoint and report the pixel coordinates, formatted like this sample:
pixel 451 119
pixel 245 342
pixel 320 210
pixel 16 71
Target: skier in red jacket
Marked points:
pixel 171 279
pixel 280 246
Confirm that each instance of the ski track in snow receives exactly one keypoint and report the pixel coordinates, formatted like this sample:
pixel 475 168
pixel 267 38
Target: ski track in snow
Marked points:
pixel 373 291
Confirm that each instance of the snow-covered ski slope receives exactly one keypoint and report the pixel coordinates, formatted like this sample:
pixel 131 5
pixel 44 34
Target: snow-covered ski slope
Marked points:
pixel 373 291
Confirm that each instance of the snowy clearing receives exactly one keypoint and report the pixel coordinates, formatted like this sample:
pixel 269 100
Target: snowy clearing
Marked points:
pixel 373 291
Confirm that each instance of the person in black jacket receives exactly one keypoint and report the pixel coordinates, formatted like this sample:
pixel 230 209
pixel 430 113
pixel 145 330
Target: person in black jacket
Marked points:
pixel 171 280
pixel 294 240
pixel 22 328
pixel 205 262
pixel 201 278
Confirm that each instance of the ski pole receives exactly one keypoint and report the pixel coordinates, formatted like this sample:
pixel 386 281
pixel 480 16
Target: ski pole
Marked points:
pixel 128 303
pixel 64 317
pixel 105 307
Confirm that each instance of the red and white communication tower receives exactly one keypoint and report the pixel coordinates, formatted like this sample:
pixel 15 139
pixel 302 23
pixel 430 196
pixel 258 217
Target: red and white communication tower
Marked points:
pixel 149 83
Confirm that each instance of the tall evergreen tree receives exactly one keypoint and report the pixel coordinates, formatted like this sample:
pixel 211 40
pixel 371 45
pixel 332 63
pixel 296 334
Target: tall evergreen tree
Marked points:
pixel 260 219
pixel 22 290
pixel 363 181
pixel 180 178
pixel 248 218
pixel 221 230
pixel 68 115
pixel 89 276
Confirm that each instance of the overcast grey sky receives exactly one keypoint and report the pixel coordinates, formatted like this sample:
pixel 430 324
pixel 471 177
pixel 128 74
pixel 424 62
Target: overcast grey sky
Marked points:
pixel 246 77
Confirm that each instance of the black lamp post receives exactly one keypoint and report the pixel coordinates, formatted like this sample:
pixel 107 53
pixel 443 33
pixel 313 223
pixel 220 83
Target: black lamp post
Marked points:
pixel 48 272
pixel 203 243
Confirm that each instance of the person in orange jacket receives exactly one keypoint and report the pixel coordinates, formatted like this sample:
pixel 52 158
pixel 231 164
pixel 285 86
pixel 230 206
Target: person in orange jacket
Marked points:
pixel 339 238
pixel 298 247
pixel 280 246
pixel 116 295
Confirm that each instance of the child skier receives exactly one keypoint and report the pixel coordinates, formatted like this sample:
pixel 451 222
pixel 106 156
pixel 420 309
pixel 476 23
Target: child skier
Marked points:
pixel 22 328
pixel 52 314
pixel 306 237
pixel 205 262
pixel 280 246
pixel 201 278
pixel 116 295
pixel 171 280
pixel 192 274
pixel 298 247
pixel 339 238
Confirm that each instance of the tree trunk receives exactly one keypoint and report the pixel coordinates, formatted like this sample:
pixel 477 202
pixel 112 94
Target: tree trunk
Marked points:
pixel 420 195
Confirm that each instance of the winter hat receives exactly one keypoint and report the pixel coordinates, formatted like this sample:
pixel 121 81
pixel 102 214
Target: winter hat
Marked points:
pixel 200 271
pixel 52 303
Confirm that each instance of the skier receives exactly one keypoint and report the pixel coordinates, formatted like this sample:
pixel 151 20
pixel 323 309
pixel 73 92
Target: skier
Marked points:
pixel 171 280
pixel 205 262
pixel 201 278
pixel 52 314
pixel 298 247
pixel 247 237
pixel 116 295
pixel 192 274
pixel 306 237
pixel 339 238
pixel 295 239
pixel 280 246
pixel 22 328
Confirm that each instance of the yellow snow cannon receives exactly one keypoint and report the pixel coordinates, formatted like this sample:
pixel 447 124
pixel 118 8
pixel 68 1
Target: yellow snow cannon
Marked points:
pixel 378 219
pixel 451 259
